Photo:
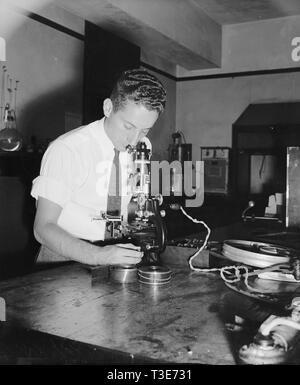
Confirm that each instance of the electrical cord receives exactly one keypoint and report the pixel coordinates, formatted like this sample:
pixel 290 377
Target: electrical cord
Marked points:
pixel 226 272
pixel 204 244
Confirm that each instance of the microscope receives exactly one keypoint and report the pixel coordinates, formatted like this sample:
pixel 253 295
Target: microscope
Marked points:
pixel 146 223
pixel 145 226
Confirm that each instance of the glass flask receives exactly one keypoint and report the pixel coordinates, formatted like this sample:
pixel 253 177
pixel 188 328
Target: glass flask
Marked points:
pixel 10 138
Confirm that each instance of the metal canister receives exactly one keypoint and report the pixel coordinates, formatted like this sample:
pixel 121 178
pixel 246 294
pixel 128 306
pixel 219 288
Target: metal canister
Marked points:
pixel 154 275
pixel 123 273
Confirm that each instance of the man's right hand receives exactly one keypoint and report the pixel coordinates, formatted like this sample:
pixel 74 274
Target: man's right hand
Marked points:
pixel 121 254
pixel 49 234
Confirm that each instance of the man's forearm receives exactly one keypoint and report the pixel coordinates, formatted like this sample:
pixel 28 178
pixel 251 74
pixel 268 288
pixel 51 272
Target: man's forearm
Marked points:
pixel 61 242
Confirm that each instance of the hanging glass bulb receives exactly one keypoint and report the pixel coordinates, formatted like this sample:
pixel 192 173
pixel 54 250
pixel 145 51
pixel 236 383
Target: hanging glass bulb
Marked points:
pixel 10 138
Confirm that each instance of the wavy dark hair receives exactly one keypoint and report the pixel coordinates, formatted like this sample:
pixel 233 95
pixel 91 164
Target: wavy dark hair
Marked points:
pixel 141 87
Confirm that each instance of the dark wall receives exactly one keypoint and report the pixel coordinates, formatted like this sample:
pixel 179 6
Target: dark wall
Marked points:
pixel 17 209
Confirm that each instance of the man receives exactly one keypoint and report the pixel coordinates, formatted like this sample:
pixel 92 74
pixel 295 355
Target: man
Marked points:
pixel 73 185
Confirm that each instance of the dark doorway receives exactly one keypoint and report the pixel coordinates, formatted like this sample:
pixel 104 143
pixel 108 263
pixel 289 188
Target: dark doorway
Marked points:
pixel 260 139
pixel 105 57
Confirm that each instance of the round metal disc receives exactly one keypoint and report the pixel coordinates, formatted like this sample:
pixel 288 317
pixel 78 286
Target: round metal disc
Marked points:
pixel 123 273
pixel 256 254
pixel 155 283
pixel 153 279
pixel 123 267
pixel 156 271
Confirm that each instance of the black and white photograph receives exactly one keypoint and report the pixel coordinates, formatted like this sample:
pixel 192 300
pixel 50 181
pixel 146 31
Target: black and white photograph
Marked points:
pixel 149 186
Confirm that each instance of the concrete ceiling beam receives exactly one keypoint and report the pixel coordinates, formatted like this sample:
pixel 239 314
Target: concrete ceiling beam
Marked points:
pixel 182 23
pixel 172 29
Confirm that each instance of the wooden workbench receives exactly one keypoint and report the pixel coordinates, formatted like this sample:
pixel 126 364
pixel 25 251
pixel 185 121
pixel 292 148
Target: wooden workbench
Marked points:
pixel 177 323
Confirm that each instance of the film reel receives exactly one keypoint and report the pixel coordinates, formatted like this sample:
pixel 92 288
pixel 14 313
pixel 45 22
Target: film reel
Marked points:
pixel 257 254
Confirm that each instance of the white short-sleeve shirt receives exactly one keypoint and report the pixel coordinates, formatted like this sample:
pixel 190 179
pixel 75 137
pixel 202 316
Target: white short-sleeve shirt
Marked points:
pixel 75 174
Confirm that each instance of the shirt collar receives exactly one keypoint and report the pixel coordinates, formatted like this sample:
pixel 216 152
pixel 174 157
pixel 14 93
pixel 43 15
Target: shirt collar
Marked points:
pixel 101 137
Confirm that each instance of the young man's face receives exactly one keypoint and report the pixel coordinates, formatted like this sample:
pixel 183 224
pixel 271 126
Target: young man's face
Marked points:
pixel 129 124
